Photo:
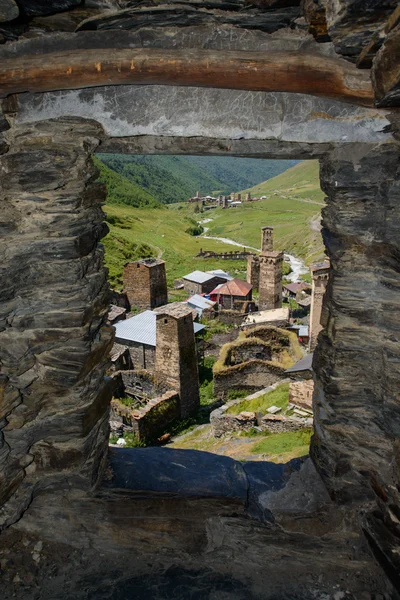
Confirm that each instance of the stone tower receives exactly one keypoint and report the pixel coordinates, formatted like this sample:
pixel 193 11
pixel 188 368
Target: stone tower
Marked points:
pixel 267 241
pixel 145 283
pixel 176 356
pixel 270 286
pixel 253 271
pixel 320 276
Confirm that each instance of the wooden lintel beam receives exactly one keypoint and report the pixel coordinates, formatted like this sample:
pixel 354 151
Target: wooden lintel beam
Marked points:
pixel 273 72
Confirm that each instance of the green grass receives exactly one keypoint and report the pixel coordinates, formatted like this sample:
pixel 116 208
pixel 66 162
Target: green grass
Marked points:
pixel 283 443
pixel 159 232
pixel 206 380
pixel 236 394
pixel 278 397
pixel 294 199
pixel 139 232
pixel 214 327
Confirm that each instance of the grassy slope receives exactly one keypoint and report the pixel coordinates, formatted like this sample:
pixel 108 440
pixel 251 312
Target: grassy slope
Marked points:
pixel 294 199
pixel 122 191
pixel 164 231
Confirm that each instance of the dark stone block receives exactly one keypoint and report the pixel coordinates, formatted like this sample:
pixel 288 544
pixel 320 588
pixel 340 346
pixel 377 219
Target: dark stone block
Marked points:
pixel 46 7
pixel 8 10
pixel 266 477
pixel 183 472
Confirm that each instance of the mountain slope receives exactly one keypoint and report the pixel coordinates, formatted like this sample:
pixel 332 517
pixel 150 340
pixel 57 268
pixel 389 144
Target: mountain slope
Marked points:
pixel 122 191
pixel 293 208
pixel 175 178
pixel 300 181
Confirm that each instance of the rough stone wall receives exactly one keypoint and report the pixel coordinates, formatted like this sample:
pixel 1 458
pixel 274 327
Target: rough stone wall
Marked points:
pixel 254 349
pixel 176 358
pixel 357 359
pixel 224 423
pixel 143 356
pixel 149 421
pixel 252 376
pixel 301 393
pixel 145 283
pixel 270 286
pixel 54 344
pixel 253 271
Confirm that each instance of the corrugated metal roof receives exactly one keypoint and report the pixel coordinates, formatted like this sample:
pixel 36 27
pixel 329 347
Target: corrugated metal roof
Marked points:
pixel 198 301
pixel 222 274
pixel 141 329
pixel 199 276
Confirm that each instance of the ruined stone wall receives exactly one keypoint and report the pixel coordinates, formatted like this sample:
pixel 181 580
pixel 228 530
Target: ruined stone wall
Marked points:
pixel 252 376
pixel 231 317
pixel 145 283
pixel 151 420
pixel 54 344
pixel 223 423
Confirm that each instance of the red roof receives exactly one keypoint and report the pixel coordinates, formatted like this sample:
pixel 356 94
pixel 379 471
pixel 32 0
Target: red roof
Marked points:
pixel 235 287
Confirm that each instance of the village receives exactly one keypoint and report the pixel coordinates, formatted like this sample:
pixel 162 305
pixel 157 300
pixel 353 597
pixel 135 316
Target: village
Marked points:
pixel 240 341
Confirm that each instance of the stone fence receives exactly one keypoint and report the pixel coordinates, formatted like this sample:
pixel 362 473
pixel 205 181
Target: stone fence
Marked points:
pixel 223 422
pixel 232 255
pixel 149 421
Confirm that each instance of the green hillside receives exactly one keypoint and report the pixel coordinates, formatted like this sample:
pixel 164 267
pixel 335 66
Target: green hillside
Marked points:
pixel 139 232
pixel 299 182
pixel 122 191
pixel 171 179
pixel 293 205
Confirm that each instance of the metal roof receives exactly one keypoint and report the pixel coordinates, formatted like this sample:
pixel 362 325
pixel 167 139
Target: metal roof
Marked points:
pixel 141 329
pixel 221 274
pixel 305 364
pixel 199 277
pixel 198 301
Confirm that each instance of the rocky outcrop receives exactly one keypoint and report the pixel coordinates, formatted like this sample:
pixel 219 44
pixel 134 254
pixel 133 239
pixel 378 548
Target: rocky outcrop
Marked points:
pixel 356 401
pixel 54 402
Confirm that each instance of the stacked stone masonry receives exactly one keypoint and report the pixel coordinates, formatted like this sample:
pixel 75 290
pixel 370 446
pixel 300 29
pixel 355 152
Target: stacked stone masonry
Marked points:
pixel 151 420
pixel 176 356
pixel 145 283
pixel 54 342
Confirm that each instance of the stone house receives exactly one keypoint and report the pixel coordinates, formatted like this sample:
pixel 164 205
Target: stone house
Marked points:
pixel 199 282
pixel 139 334
pixel 296 289
pixel 231 292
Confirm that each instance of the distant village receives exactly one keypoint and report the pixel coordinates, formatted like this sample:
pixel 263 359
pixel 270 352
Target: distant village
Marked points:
pixel 159 345
pixel 230 201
